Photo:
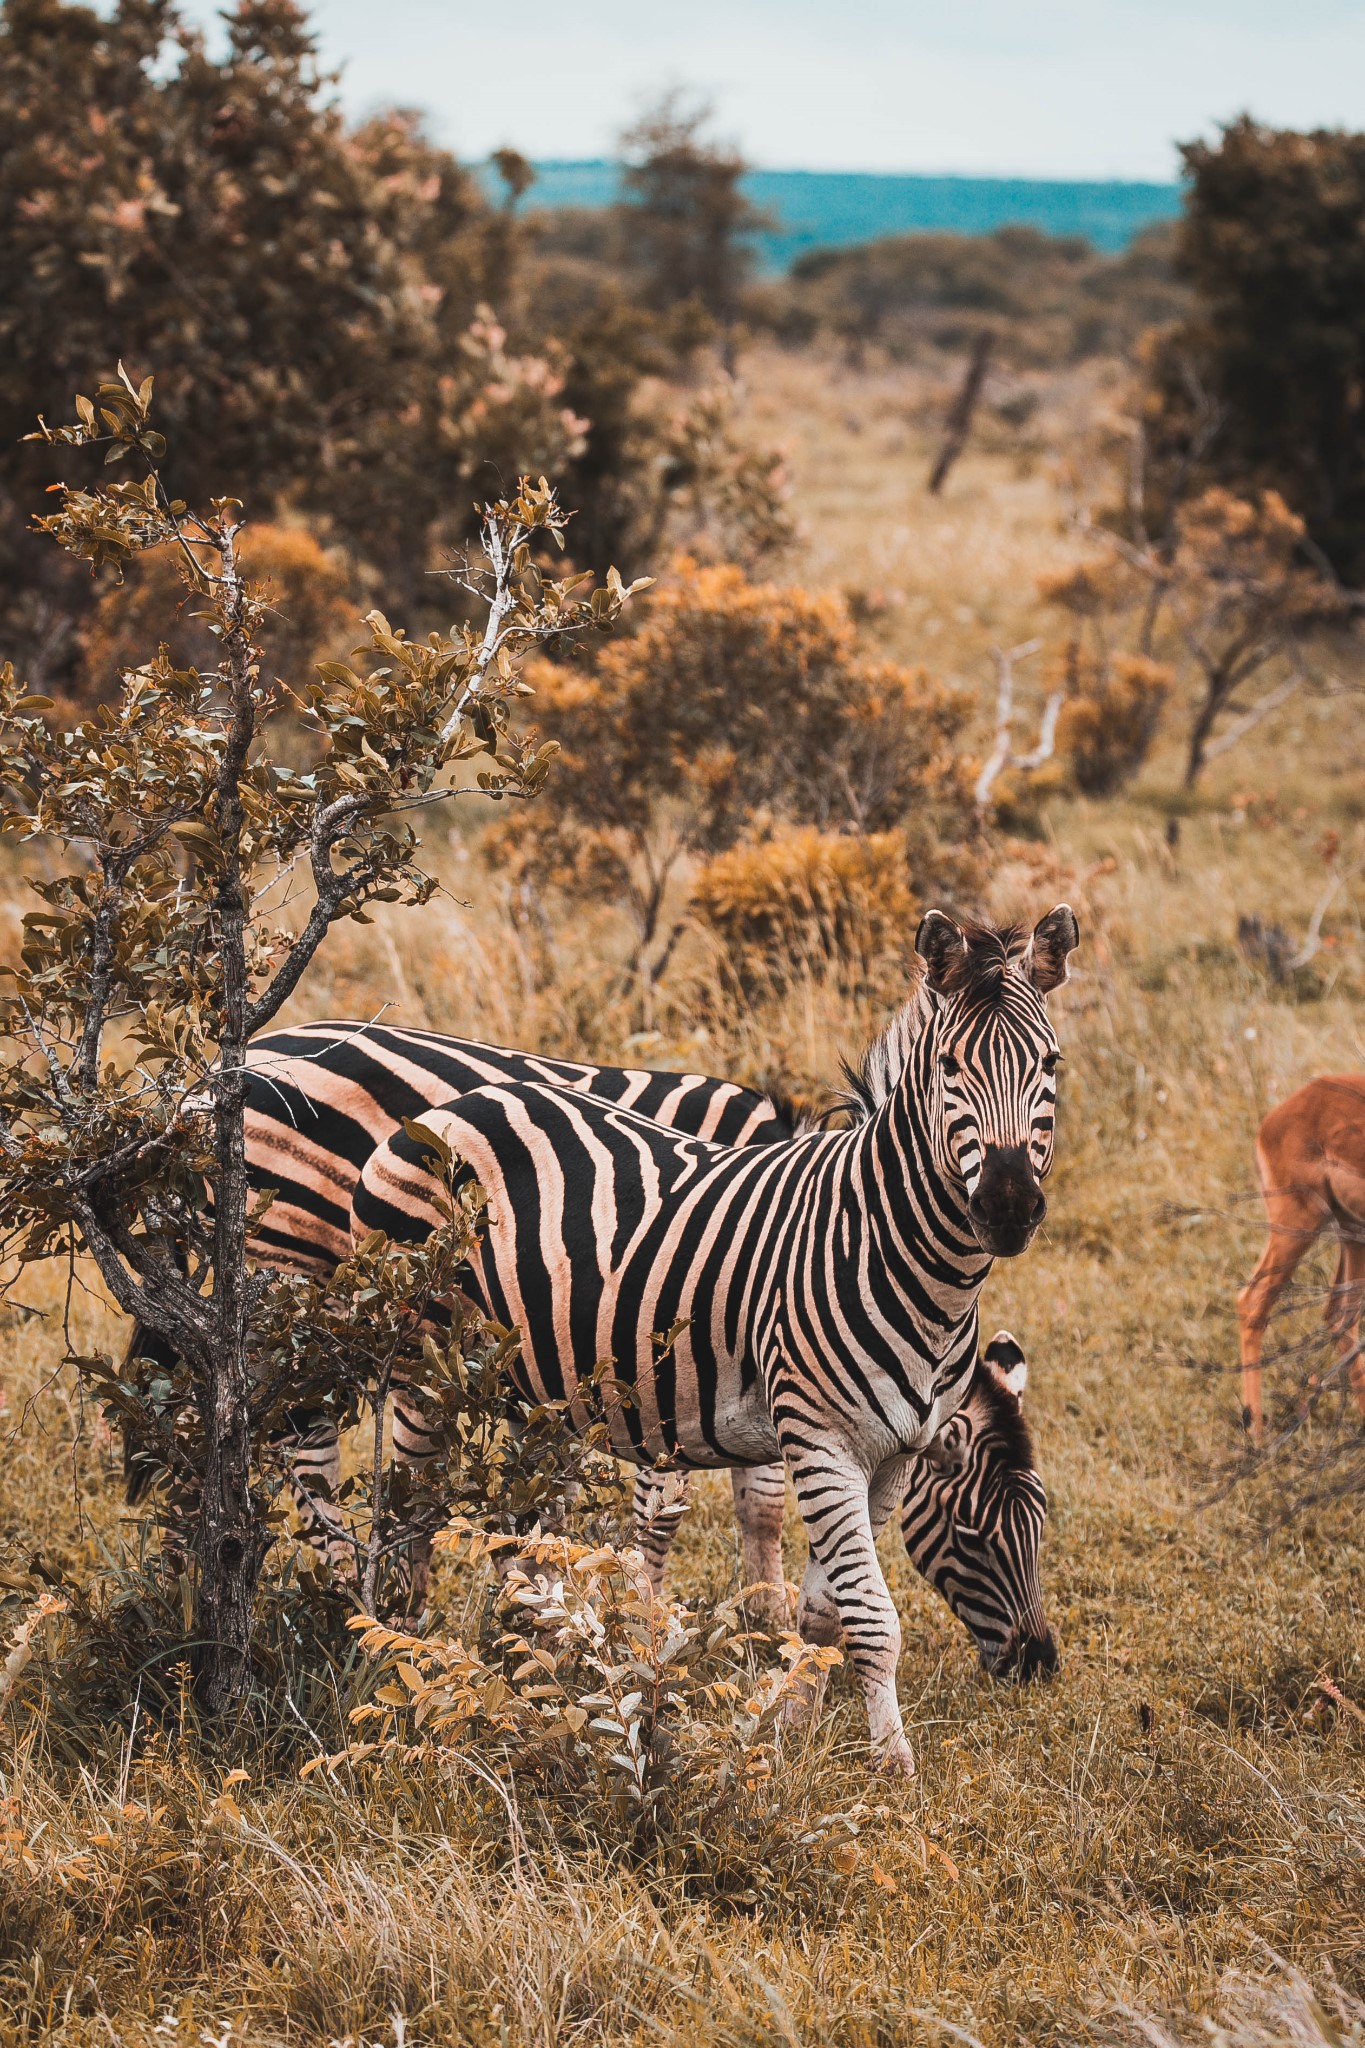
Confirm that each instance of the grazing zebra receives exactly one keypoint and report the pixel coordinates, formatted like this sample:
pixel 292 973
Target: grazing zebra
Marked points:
pixel 972 1521
pixel 826 1288
pixel 321 1097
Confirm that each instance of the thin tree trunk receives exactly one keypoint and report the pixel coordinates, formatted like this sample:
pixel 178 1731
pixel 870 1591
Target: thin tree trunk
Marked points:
pixel 1216 690
pixel 964 406
pixel 231 1538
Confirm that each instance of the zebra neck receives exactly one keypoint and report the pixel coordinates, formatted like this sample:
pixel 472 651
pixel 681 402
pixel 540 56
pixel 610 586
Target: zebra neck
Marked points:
pixel 923 1239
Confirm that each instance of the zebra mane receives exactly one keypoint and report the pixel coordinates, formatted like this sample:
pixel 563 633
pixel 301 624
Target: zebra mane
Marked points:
pixel 978 973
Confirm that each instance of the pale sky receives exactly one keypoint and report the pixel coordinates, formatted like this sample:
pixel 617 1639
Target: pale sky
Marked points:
pixel 1043 88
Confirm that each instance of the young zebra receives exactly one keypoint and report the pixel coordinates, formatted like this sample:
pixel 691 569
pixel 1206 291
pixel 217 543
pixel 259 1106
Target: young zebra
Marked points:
pixel 827 1288
pixel 972 1522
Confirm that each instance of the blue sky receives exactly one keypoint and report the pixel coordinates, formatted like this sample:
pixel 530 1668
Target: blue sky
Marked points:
pixel 1046 88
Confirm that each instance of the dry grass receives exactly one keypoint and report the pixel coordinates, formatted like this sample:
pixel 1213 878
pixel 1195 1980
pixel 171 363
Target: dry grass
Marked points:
pixel 1181 1808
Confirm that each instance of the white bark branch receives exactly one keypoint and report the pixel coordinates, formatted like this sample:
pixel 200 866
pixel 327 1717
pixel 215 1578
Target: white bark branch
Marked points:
pixel 1002 755
pixel 1240 727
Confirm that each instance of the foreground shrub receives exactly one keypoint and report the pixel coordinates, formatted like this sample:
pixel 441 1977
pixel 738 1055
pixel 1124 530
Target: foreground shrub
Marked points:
pixel 635 1720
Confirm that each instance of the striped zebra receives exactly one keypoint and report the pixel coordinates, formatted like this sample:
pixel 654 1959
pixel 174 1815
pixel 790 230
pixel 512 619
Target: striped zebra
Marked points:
pixel 324 1095
pixel 321 1098
pixel 826 1288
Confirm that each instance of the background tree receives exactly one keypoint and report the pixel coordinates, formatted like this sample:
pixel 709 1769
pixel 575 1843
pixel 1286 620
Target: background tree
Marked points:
pixel 688 227
pixel 162 948
pixel 1270 241
pixel 316 299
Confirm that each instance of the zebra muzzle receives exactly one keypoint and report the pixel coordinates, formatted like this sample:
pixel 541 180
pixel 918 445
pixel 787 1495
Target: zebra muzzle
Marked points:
pixel 1024 1658
pixel 1007 1204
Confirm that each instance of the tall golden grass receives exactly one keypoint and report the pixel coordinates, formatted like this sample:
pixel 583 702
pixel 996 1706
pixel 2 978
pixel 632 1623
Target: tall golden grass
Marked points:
pixel 1165 1834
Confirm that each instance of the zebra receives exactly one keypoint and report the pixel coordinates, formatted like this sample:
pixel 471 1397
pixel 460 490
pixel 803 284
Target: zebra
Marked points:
pixel 824 1290
pixel 972 1522
pixel 323 1095
pixel 320 1098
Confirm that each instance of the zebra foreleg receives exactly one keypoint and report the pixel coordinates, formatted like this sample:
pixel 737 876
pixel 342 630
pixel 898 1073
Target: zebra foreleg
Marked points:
pixel 845 1595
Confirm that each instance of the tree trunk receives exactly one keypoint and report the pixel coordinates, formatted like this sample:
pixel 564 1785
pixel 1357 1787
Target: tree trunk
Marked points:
pixel 232 1539
pixel 964 405
pixel 1205 717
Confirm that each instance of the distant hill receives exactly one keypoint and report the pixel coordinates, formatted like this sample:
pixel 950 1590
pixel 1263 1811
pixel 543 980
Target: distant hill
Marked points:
pixel 838 209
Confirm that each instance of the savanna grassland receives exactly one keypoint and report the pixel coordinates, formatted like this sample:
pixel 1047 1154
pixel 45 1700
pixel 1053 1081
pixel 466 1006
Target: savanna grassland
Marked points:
pixel 1122 1851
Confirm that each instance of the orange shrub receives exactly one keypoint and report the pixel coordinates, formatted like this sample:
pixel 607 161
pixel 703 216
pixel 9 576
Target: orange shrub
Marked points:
pixel 316 610
pixel 734 706
pixel 810 901
pixel 1110 717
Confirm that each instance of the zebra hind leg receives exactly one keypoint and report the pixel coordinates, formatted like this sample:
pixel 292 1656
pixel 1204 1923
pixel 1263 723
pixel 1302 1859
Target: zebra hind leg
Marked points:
pixel 760 1494
pixel 659 1504
pixel 312 1454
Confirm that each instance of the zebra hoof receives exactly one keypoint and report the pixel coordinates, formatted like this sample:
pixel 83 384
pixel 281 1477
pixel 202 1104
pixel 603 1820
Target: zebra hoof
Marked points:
pixel 897 1760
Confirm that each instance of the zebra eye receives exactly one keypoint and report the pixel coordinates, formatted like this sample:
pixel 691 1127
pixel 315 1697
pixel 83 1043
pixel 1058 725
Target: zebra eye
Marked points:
pixel 1051 1062
pixel 948 1064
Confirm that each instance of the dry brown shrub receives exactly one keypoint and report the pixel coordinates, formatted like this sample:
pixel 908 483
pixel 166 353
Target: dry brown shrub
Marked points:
pixel 735 704
pixel 1110 717
pixel 813 902
pixel 316 603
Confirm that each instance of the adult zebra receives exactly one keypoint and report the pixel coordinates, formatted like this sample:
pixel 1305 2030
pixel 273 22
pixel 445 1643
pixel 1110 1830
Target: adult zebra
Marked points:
pixel 321 1097
pixel 827 1288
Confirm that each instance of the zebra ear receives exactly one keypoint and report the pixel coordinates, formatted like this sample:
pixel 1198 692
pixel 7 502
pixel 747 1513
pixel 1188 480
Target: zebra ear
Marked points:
pixel 940 944
pixel 1054 937
pixel 1005 1357
pixel 948 1451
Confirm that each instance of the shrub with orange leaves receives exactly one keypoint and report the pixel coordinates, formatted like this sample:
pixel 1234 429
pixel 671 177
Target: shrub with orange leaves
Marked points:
pixel 315 601
pixel 637 1720
pixel 735 704
pixel 822 903
pixel 1110 717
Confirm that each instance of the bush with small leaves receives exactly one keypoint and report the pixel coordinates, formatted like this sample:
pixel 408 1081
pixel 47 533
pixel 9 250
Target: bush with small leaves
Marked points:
pixel 1110 717
pixel 807 902
pixel 735 703
pixel 635 1720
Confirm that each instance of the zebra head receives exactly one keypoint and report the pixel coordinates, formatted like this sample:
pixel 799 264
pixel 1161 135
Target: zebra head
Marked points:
pixel 989 1066
pixel 973 1524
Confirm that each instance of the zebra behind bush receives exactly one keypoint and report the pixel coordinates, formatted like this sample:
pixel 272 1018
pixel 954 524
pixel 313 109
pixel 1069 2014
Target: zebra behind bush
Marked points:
pixel 827 1288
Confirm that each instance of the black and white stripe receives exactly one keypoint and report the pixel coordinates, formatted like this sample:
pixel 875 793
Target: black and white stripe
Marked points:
pixel 826 1288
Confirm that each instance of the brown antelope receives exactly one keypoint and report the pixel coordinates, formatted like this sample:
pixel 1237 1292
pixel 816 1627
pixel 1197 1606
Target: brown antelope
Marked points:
pixel 1310 1158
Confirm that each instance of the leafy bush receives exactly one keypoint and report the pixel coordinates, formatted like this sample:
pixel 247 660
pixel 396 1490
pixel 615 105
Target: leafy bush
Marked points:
pixel 735 701
pixel 313 601
pixel 157 953
pixel 634 1719
pixel 1110 717
pixel 1275 344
